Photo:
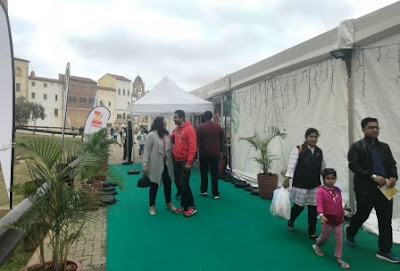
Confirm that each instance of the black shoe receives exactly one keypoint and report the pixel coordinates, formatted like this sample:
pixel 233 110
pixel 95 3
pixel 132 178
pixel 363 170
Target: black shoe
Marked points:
pixel 348 238
pixel 387 257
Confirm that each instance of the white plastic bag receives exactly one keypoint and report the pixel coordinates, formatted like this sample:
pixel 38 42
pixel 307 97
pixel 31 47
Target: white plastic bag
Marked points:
pixel 280 205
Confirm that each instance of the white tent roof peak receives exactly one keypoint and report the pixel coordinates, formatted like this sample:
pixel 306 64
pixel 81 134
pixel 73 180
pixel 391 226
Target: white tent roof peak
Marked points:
pixel 166 97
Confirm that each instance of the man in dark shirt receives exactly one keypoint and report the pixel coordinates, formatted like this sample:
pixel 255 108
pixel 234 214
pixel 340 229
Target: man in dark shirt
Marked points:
pixel 374 166
pixel 210 139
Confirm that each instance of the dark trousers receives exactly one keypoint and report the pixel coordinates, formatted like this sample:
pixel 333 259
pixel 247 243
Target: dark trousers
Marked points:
pixel 167 188
pixel 209 163
pixel 125 151
pixel 182 177
pixel 141 149
pixel 384 209
pixel 312 216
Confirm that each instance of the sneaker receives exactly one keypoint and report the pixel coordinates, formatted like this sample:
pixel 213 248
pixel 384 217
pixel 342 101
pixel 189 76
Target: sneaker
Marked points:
pixel 216 197
pixel 179 210
pixel 318 250
pixel 152 210
pixel 171 206
pixel 348 238
pixel 203 194
pixel 190 212
pixel 290 226
pixel 387 257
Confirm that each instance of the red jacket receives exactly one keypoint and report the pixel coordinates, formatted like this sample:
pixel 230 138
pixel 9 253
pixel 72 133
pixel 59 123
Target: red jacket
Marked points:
pixel 327 203
pixel 185 143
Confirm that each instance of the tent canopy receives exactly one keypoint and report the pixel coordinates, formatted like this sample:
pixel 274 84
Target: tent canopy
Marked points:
pixel 166 97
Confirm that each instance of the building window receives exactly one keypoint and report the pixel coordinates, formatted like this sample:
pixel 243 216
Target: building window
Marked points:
pixel 124 92
pixel 91 100
pixel 119 91
pixel 33 95
pixel 17 87
pixel 56 98
pixel 45 85
pixel 33 84
pixel 55 112
pixel 119 116
pixel 109 103
pixel 128 103
pixel 129 92
pixel 142 89
pixel 18 71
pixel 82 100
pixel 72 99
pixel 123 116
pixel 44 96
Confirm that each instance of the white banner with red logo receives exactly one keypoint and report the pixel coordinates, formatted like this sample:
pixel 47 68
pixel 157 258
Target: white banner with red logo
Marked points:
pixel 97 119
pixel 6 101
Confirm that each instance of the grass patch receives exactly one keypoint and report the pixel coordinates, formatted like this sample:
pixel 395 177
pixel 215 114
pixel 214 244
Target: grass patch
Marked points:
pixel 21 172
pixel 17 260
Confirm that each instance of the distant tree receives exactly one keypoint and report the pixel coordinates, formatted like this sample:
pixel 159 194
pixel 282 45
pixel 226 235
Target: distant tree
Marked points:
pixel 23 110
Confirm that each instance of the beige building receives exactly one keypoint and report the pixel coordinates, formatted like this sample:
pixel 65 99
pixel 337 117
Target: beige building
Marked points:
pixel 123 96
pixel 48 93
pixel 21 71
pixel 106 98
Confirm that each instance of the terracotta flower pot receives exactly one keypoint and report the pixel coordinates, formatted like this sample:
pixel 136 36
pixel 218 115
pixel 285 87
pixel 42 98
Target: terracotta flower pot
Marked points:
pixel 72 265
pixel 267 183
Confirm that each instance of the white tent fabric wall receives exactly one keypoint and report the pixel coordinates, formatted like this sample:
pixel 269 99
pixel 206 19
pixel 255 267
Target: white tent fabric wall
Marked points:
pixel 296 101
pixel 376 86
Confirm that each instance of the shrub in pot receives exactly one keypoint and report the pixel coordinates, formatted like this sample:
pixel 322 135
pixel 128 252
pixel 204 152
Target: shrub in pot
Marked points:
pixel 267 181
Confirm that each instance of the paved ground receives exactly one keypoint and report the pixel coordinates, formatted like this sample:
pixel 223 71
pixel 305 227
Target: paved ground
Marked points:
pixel 91 249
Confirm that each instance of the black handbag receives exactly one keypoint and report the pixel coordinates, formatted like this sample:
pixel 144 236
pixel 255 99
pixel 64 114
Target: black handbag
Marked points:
pixel 143 182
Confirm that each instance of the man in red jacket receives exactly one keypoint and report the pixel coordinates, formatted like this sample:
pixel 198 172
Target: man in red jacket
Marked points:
pixel 210 138
pixel 183 152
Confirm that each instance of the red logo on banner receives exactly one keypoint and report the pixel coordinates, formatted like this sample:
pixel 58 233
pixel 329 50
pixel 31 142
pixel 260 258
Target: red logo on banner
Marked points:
pixel 96 122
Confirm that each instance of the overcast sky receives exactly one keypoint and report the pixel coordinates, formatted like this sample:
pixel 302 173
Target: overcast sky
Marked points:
pixel 194 42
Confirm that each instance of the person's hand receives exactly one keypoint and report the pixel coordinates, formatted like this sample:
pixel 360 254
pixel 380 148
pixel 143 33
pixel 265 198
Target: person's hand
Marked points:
pixel 392 182
pixel 285 183
pixel 145 170
pixel 188 167
pixel 380 180
pixel 324 219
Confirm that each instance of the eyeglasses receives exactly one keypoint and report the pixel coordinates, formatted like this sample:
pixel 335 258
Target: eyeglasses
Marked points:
pixel 373 128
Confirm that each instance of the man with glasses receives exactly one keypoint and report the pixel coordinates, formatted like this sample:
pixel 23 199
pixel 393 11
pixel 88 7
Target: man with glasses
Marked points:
pixel 374 166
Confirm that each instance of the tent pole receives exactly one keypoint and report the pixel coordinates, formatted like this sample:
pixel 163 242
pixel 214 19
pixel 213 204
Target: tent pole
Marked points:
pixel 134 170
pixel 350 98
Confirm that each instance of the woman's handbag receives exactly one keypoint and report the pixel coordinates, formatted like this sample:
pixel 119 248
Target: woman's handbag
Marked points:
pixel 143 182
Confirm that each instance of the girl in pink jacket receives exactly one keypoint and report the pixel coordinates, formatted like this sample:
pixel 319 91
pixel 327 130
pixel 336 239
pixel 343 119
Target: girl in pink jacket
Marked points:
pixel 331 213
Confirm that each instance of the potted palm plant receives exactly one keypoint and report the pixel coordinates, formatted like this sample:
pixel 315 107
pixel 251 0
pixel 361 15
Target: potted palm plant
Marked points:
pixel 267 181
pixel 59 210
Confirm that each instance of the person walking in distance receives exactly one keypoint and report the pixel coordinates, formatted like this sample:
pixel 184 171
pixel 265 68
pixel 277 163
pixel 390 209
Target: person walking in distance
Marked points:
pixel 183 152
pixel 374 166
pixel 210 138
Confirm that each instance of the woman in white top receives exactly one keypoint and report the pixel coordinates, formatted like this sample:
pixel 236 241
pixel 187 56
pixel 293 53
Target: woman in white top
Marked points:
pixel 305 166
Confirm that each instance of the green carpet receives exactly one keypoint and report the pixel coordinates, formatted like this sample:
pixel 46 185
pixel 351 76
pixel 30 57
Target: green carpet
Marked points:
pixel 233 233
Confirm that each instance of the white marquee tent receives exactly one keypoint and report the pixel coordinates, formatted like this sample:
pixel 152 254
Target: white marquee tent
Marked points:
pixel 166 97
pixel 305 86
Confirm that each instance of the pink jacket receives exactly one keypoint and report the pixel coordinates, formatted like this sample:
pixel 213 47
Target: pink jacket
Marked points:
pixel 327 204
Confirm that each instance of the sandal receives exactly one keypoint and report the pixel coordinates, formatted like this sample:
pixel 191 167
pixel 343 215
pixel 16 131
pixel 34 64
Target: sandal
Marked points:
pixel 313 237
pixel 343 264
pixel 318 250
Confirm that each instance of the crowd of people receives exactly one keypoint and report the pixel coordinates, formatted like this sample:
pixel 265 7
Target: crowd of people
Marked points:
pixel 373 165
pixel 168 157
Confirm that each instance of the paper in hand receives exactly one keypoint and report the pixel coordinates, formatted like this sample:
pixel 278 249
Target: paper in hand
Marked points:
pixel 389 193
